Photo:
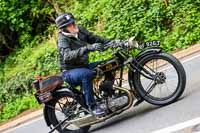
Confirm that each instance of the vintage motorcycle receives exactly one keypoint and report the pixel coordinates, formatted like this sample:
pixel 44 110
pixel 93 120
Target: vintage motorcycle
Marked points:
pixel 153 76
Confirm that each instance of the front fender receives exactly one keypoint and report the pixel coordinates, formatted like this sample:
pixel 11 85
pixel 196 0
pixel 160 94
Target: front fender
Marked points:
pixel 148 51
pixel 58 92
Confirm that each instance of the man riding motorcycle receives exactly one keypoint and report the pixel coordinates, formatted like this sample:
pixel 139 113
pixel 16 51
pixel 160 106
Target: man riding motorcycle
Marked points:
pixel 74 44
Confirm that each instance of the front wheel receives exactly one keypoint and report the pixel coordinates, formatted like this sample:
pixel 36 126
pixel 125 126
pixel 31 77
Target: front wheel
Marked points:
pixel 168 82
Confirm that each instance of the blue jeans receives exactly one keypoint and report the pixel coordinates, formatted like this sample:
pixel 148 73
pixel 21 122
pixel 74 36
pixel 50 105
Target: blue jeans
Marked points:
pixel 83 77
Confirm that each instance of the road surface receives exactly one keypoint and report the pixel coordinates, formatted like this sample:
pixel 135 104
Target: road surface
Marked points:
pixel 145 118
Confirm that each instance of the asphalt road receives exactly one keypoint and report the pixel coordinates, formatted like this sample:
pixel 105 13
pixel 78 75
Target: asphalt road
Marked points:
pixel 145 118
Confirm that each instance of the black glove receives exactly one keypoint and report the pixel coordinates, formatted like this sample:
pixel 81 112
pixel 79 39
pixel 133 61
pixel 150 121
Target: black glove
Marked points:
pixel 95 46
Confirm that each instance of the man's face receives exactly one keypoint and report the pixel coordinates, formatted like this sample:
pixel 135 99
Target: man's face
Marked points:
pixel 72 28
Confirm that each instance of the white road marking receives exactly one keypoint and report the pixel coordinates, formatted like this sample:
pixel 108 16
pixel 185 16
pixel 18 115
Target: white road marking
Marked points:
pixel 191 58
pixel 179 126
pixel 24 124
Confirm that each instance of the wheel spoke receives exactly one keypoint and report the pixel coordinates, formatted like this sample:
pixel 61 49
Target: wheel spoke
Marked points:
pixel 166 85
pixel 53 108
pixel 60 106
pixel 151 88
pixel 160 90
pixel 152 69
pixel 149 84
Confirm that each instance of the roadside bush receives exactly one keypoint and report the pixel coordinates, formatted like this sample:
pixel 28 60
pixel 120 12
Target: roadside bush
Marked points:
pixel 20 104
pixel 175 23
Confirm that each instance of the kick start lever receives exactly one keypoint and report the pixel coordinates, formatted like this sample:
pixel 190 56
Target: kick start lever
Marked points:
pixel 52 130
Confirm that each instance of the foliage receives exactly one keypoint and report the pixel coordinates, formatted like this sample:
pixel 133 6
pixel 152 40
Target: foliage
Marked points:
pixel 175 23
pixel 21 68
pixel 22 103
pixel 18 73
pixel 21 21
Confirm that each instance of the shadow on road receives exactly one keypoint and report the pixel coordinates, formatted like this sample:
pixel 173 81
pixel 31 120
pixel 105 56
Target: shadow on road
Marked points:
pixel 131 113
pixel 135 111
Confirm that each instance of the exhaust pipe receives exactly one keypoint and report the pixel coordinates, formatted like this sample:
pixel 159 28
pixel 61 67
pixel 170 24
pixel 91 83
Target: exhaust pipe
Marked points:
pixel 91 119
pixel 87 120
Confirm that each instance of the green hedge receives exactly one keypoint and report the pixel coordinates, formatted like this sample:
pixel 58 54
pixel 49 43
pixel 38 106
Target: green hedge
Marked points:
pixel 11 109
pixel 176 23
pixel 18 73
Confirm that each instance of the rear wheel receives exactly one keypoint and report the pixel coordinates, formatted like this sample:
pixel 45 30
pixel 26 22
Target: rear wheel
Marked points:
pixel 169 79
pixel 62 107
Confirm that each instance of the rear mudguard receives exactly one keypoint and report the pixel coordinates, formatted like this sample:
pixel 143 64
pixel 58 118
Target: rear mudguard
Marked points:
pixel 140 56
pixel 64 91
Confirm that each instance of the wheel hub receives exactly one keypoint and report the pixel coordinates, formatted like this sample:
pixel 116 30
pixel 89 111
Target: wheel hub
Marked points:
pixel 160 78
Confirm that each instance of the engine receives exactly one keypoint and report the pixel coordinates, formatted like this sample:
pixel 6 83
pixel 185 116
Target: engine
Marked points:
pixel 106 86
pixel 112 99
pixel 115 102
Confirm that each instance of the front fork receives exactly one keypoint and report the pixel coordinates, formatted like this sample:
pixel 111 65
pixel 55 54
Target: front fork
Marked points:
pixel 134 65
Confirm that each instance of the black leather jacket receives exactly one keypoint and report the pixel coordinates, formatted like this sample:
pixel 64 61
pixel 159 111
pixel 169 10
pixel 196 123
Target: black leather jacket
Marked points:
pixel 70 48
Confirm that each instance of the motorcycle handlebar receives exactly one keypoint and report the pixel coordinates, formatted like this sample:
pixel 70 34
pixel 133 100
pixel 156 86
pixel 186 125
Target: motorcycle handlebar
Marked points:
pixel 131 43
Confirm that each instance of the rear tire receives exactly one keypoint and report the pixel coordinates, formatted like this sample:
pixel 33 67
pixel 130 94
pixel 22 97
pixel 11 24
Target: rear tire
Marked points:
pixel 181 83
pixel 53 118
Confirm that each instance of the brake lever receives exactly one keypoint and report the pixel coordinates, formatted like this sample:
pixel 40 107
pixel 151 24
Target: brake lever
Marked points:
pixel 107 45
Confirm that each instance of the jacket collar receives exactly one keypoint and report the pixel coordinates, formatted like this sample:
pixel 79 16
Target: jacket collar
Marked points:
pixel 75 35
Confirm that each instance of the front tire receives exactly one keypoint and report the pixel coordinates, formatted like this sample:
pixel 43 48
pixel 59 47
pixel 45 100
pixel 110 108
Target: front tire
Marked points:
pixel 165 62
